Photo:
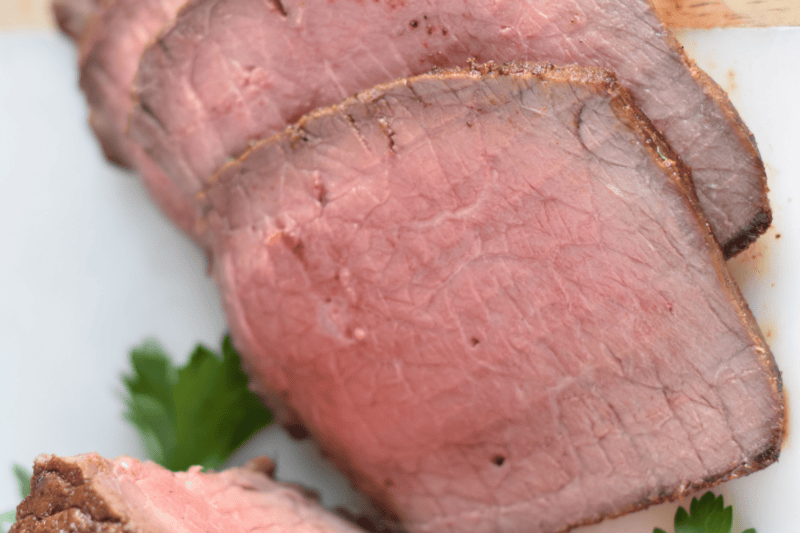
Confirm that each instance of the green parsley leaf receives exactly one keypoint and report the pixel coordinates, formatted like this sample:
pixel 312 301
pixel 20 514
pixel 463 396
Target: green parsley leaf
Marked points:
pixel 23 480
pixel 198 414
pixel 706 515
pixel 7 519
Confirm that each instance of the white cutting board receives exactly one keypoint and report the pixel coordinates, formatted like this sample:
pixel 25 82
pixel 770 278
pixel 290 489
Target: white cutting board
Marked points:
pixel 89 268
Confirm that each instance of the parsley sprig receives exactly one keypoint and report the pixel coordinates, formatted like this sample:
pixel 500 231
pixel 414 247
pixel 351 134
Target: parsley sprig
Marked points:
pixel 706 515
pixel 24 483
pixel 6 519
pixel 23 476
pixel 197 414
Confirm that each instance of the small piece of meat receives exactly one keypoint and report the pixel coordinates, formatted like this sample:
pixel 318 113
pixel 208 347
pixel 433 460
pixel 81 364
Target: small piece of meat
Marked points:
pixel 90 494
pixel 228 72
pixel 73 16
pixel 492 297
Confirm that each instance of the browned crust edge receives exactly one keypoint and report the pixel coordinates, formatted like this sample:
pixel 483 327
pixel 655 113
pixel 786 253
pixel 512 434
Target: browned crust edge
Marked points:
pixel 157 40
pixel 663 155
pixel 655 143
pixel 83 36
pixel 542 70
pixel 763 218
pixel 112 144
pixel 679 493
pixel 62 499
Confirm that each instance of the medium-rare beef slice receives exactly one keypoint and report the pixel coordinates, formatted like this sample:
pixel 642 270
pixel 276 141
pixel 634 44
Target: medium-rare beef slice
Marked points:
pixel 109 56
pixel 231 71
pixel 90 494
pixel 111 35
pixel 493 299
pixel 73 16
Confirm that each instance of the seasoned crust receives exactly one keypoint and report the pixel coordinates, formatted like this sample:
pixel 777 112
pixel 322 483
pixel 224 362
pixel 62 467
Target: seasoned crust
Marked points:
pixel 63 499
pixel 601 78
pixel 763 217
pixel 663 155
pixel 760 223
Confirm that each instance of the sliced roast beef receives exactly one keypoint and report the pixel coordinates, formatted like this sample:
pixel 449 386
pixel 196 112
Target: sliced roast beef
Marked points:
pixel 231 71
pixel 90 494
pixel 112 35
pixel 109 56
pixel 493 299
pixel 110 52
pixel 73 16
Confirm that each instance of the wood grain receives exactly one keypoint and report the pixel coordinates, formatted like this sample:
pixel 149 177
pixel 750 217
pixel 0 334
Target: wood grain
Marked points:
pixel 35 14
pixel 25 15
pixel 714 13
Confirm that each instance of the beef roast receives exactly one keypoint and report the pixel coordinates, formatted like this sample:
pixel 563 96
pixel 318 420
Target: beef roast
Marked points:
pixel 493 299
pixel 231 71
pixel 72 16
pixel 109 57
pixel 112 35
pixel 110 48
pixel 90 494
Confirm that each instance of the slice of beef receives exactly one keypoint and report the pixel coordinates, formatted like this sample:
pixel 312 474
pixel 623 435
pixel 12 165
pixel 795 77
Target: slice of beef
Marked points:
pixel 111 35
pixel 231 71
pixel 72 16
pixel 492 297
pixel 90 494
pixel 109 57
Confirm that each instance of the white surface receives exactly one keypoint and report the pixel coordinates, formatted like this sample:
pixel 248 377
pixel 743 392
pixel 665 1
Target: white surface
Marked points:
pixel 88 269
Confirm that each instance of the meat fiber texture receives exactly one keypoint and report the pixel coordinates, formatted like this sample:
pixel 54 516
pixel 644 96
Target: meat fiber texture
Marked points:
pixel 90 494
pixel 227 72
pixel 111 47
pixel 491 296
